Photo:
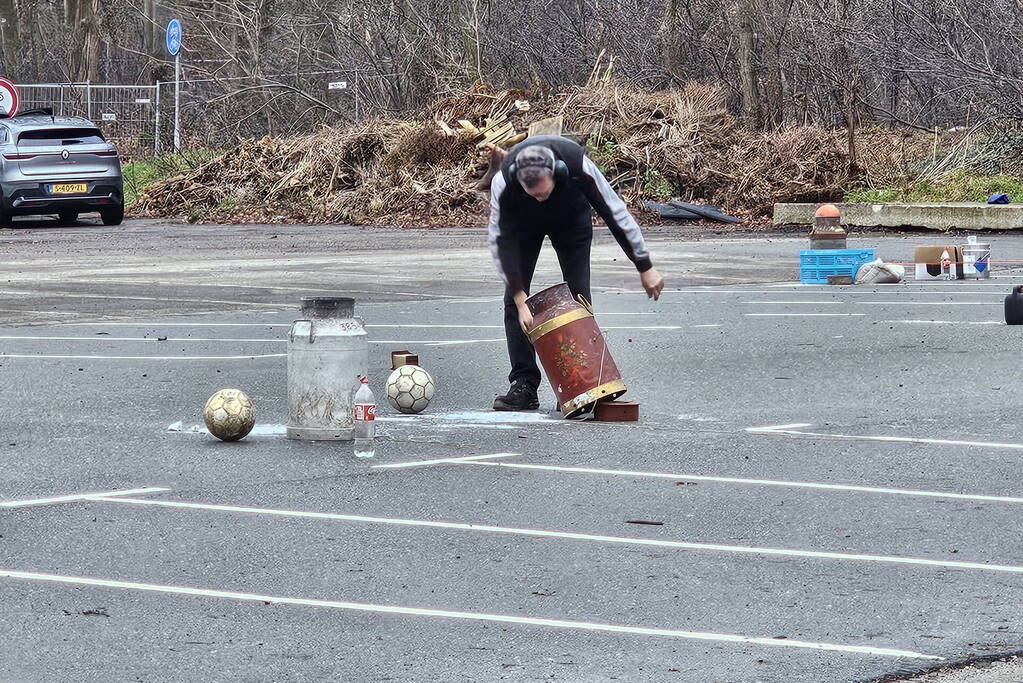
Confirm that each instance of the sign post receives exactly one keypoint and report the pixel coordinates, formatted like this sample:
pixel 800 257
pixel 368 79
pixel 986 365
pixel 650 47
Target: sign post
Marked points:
pixel 10 100
pixel 174 35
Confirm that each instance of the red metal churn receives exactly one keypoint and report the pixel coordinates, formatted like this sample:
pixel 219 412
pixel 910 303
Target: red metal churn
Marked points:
pixel 572 351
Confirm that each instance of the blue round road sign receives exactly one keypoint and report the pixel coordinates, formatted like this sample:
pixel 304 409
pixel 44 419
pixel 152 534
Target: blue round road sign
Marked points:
pixel 174 37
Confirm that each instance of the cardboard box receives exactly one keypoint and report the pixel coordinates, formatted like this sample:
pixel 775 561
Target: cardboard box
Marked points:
pixel 928 261
pixel 399 358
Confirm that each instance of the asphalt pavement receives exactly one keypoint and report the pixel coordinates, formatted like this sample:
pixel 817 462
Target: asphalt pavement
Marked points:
pixel 823 485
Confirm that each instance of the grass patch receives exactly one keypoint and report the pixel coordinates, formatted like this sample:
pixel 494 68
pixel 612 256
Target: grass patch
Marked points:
pixel 138 174
pixel 958 187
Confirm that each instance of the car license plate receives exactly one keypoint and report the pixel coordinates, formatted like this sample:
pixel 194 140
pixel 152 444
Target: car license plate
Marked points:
pixel 69 188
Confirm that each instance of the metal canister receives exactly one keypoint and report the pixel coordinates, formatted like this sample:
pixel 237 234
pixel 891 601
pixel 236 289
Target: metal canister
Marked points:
pixel 977 261
pixel 327 352
pixel 572 351
pixel 1014 306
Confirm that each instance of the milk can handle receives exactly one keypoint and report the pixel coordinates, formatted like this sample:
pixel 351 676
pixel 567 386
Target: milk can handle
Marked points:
pixel 586 304
pixel 310 337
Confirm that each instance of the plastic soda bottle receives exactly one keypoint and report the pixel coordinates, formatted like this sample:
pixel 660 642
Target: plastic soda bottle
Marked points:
pixel 946 266
pixel 365 413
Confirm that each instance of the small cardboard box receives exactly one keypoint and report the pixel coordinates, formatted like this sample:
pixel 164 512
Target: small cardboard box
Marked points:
pixel 399 358
pixel 928 261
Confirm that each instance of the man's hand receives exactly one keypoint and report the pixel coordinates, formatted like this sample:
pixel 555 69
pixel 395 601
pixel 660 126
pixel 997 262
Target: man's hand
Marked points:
pixel 525 317
pixel 497 156
pixel 653 283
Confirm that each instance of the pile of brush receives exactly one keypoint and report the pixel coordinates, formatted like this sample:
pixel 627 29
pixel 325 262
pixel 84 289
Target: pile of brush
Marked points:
pixel 657 145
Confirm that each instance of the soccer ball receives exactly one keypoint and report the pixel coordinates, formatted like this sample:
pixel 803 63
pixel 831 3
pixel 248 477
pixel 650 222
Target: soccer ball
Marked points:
pixel 229 415
pixel 409 389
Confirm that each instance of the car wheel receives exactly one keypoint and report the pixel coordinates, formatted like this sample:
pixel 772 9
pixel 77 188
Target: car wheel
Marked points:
pixel 114 216
pixel 67 217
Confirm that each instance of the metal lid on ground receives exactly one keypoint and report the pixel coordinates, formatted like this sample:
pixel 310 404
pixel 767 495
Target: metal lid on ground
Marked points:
pixel 328 307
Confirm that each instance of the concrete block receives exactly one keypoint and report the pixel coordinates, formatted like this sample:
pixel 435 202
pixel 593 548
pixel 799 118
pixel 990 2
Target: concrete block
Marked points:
pixel 940 217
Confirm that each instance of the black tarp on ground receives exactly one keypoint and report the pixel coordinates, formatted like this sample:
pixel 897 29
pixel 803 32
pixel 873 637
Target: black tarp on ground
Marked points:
pixel 684 211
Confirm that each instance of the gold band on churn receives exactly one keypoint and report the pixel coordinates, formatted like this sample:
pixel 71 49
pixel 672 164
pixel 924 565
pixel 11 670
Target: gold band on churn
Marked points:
pixel 591 396
pixel 559 321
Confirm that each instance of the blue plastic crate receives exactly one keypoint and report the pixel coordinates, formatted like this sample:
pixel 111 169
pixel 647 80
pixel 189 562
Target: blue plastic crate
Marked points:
pixel 815 265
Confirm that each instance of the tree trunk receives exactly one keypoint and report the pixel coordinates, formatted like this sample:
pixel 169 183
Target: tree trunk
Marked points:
pixel 851 95
pixel 84 19
pixel 32 32
pixel 894 61
pixel 152 32
pixel 10 37
pixel 751 110
pixel 671 30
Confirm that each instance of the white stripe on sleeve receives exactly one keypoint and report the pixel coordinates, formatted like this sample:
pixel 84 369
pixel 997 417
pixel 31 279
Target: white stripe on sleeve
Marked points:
pixel 619 211
pixel 497 185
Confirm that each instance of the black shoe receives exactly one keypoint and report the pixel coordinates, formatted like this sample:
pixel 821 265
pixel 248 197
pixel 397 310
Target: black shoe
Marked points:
pixel 519 397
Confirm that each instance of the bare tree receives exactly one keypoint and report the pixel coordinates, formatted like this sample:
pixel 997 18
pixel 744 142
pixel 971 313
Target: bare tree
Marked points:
pixel 255 66
pixel 84 20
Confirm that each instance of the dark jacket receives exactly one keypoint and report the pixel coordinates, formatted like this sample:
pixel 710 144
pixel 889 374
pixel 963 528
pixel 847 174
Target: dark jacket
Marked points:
pixel 513 212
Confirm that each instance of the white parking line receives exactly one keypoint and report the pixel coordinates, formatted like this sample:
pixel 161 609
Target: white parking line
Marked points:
pixel 78 496
pixel 787 430
pixel 774 428
pixel 911 286
pixel 65 295
pixel 501 327
pixel 448 614
pixel 754 482
pixel 222 285
pixel 434 342
pixel 860 290
pixel 467 458
pixel 167 340
pixel 207 340
pixel 798 303
pixel 576 536
pixel 802 315
pixel 942 322
pixel 27 311
pixel 118 323
pixel 71 357
pixel 929 303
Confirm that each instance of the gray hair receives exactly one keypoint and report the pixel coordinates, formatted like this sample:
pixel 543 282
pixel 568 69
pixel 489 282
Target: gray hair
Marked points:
pixel 533 164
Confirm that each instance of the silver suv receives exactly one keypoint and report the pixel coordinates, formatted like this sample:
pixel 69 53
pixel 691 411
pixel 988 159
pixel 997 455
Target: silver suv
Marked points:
pixel 58 165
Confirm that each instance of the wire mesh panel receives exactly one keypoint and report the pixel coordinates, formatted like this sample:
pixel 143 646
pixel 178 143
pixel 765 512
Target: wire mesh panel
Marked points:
pixel 127 114
pixel 214 113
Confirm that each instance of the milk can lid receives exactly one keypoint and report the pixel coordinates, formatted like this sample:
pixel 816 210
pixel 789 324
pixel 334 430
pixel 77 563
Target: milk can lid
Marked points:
pixel 328 307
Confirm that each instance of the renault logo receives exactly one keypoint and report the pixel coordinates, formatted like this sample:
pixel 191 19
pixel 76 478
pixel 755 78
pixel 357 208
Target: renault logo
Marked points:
pixel 64 154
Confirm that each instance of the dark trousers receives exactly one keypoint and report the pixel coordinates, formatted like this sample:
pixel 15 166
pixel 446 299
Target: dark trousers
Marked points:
pixel 573 250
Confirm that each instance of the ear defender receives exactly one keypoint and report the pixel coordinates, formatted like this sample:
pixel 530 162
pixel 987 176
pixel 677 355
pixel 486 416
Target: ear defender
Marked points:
pixel 560 169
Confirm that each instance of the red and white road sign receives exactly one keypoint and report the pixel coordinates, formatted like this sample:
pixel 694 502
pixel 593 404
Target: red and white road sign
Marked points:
pixel 9 98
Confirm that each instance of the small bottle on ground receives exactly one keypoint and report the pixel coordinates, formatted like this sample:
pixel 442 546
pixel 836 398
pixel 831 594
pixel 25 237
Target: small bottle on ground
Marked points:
pixel 365 413
pixel 946 266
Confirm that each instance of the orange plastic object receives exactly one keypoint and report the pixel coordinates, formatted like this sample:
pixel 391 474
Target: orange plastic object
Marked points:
pixel 828 211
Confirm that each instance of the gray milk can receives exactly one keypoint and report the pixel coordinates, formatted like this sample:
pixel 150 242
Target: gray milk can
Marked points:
pixel 327 352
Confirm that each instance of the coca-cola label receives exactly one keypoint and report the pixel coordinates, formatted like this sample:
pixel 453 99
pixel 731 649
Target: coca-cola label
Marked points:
pixel 365 411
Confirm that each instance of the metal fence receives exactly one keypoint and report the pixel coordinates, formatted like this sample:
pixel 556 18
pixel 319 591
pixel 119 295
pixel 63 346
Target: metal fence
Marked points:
pixel 140 119
pixel 128 115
